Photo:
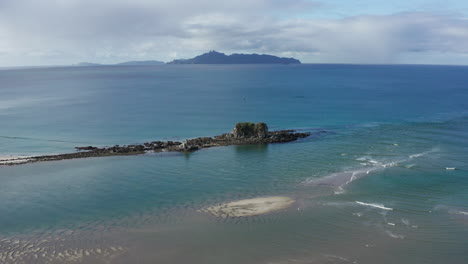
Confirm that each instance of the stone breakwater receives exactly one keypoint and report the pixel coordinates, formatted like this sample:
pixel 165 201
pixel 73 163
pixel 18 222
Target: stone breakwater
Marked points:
pixel 243 134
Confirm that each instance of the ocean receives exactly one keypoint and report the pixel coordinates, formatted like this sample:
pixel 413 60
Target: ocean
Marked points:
pixel 387 182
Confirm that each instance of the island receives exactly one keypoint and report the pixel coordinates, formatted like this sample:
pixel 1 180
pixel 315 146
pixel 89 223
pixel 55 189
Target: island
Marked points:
pixel 214 57
pixel 244 133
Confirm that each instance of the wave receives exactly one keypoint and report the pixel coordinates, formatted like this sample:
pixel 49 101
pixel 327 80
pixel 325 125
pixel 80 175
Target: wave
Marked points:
pixel 458 212
pixel 10 160
pixel 340 180
pixel 392 235
pixel 406 222
pixel 380 206
pixel 452 210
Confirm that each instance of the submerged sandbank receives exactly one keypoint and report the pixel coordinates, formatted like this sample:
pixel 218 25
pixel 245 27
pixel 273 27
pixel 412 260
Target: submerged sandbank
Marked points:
pixel 250 207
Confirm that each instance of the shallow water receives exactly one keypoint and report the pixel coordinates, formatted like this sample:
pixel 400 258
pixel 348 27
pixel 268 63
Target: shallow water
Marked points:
pixel 374 188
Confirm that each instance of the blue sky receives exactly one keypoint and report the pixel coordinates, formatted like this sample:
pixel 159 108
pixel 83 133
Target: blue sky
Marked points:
pixel 345 8
pixel 64 32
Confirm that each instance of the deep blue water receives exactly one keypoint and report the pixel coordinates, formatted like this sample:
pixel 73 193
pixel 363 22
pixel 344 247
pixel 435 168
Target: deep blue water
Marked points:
pixel 392 132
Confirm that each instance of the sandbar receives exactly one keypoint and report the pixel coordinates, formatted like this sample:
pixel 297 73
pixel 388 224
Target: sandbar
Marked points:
pixel 250 207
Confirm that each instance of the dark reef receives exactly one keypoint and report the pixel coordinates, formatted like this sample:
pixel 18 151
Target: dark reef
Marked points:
pixel 243 134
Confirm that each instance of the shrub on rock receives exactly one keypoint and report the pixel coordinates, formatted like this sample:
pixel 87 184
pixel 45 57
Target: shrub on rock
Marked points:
pixel 261 130
pixel 250 130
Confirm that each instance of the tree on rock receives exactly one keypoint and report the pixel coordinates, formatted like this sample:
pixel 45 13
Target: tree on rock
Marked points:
pixel 250 130
pixel 261 130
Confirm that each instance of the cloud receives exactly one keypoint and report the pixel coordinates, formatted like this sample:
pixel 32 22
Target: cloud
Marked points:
pixel 362 39
pixel 69 31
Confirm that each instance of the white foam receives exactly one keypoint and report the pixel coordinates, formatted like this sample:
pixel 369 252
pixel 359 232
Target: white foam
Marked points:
pixel 380 206
pixel 5 160
pixel 339 190
pixel 340 179
pixel 450 168
pixel 363 158
pixel 394 235
pixel 451 210
pixel 405 221
pixel 417 155
pixel 339 258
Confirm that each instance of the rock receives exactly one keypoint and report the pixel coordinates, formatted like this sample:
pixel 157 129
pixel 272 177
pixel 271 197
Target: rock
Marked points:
pixel 86 148
pixel 250 130
pixel 243 130
pixel 261 130
pixel 243 134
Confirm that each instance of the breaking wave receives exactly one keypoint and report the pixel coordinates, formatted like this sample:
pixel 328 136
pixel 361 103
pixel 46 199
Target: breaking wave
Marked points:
pixel 340 180
pixel 380 206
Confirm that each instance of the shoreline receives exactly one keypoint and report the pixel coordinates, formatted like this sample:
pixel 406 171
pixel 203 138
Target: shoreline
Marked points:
pixel 236 137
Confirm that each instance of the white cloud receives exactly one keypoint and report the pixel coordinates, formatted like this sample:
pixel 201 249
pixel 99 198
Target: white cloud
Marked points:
pixel 69 31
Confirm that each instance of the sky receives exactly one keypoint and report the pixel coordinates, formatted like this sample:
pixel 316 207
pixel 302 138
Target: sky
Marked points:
pixel 65 32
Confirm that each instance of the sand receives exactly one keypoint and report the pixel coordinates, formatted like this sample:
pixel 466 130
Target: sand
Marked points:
pixel 250 207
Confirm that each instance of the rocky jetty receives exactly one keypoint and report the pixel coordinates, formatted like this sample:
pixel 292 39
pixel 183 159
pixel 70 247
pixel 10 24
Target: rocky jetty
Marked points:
pixel 242 134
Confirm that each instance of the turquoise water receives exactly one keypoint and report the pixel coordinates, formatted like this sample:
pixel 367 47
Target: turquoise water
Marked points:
pixel 375 187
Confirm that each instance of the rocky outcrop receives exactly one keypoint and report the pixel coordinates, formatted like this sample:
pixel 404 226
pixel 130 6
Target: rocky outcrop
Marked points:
pixel 242 134
pixel 250 130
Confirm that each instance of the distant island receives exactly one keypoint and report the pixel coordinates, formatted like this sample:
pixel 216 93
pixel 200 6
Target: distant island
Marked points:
pixel 127 63
pixel 214 57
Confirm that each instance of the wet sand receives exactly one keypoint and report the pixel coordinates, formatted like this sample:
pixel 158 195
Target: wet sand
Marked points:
pixel 250 207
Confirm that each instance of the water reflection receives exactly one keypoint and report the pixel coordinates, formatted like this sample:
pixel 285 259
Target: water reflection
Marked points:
pixel 259 148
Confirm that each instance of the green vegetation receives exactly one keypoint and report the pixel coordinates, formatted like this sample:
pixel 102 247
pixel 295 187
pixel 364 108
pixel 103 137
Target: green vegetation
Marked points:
pixel 244 129
pixel 261 130
pixel 249 129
